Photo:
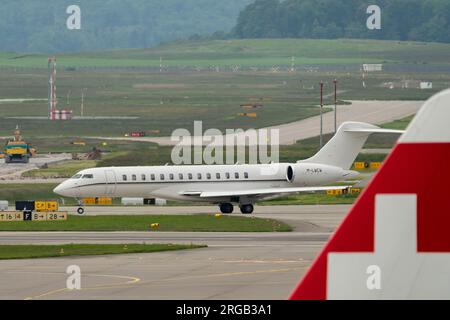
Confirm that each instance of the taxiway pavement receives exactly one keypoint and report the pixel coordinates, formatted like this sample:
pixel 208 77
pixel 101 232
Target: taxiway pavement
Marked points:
pixel 233 266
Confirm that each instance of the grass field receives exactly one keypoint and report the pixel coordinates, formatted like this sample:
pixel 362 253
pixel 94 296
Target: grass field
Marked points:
pixel 24 191
pixel 61 170
pixel 162 102
pixel 400 124
pixel 116 84
pixel 205 223
pixel 48 251
pixel 65 144
pixel 266 52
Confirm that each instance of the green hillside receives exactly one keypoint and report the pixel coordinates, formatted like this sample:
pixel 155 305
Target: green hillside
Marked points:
pixel 248 53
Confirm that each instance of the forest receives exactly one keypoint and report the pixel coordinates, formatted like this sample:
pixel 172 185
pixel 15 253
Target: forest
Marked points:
pixel 31 26
pixel 416 20
pixel 40 26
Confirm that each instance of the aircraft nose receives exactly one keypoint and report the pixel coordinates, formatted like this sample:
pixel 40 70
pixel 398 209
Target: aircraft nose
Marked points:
pixel 58 189
pixel 61 190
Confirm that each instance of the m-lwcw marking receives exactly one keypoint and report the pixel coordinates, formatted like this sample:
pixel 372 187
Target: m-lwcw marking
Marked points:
pixel 410 273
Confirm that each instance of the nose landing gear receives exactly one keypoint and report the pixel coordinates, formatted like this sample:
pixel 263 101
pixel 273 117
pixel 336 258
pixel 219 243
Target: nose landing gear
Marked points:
pixel 80 209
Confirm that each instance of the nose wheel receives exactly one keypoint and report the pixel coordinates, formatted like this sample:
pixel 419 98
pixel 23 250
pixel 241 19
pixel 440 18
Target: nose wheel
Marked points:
pixel 80 209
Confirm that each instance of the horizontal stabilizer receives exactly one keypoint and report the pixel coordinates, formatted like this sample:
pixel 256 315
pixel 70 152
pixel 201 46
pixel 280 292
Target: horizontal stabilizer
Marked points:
pixel 376 130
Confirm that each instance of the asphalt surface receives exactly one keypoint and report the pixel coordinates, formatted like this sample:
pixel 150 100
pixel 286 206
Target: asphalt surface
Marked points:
pixel 11 172
pixel 374 112
pixel 305 218
pixel 234 266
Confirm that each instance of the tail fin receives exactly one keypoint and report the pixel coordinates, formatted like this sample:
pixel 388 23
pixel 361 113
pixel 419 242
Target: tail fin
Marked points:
pixel 395 241
pixel 346 144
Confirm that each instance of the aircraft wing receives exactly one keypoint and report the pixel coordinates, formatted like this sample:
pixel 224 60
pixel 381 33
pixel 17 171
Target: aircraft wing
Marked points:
pixel 259 192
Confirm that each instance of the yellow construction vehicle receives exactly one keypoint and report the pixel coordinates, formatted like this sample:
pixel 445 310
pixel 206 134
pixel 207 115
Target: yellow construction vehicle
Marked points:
pixel 17 150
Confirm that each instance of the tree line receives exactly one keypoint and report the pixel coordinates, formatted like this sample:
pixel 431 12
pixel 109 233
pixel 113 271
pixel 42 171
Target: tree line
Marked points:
pixel 41 26
pixel 416 20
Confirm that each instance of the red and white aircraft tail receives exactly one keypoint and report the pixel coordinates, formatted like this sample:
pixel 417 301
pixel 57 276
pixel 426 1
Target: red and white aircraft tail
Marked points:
pixel 395 241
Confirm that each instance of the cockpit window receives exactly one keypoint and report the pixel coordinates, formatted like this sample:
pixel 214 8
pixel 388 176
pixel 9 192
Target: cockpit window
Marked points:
pixel 88 176
pixel 77 176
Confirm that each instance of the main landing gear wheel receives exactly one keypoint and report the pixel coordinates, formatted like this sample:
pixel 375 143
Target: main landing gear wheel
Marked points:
pixel 226 208
pixel 80 210
pixel 247 208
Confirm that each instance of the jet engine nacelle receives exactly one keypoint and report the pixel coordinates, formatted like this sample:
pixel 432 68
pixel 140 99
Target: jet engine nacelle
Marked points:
pixel 308 174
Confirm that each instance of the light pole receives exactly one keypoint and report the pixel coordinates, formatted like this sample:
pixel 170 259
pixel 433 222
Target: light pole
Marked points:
pixel 321 114
pixel 82 101
pixel 335 106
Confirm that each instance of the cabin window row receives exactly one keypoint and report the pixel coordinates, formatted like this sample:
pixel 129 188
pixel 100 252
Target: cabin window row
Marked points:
pixel 181 176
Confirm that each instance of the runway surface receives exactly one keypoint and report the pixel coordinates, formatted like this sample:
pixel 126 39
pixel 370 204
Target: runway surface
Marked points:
pixel 374 112
pixel 234 266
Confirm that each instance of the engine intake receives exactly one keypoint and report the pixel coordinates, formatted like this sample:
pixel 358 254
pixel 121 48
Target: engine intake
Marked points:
pixel 290 176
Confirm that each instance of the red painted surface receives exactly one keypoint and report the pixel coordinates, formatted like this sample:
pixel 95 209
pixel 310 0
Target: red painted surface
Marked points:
pixel 138 134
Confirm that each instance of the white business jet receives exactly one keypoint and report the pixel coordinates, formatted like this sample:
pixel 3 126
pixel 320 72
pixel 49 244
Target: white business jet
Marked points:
pixel 226 185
